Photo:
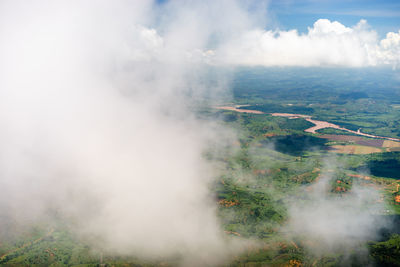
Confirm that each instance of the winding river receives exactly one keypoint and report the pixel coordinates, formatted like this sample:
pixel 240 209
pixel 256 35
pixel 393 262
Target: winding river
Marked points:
pixel 317 124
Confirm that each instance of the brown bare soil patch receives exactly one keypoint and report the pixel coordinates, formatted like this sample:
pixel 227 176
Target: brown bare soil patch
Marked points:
pixel 294 263
pixel 355 149
pixel 232 233
pixel 269 135
pixel 391 144
pixel 359 176
pixel 340 189
pixel 228 203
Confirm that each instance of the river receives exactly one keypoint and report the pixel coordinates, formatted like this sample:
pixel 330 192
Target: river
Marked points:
pixel 317 124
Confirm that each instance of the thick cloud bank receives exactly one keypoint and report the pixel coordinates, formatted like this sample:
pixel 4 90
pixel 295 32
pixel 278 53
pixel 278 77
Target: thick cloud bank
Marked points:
pixel 326 44
pixel 96 126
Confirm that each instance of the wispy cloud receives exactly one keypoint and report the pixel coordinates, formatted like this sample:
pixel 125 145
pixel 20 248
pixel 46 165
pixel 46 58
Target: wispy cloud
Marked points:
pixel 356 12
pixel 352 8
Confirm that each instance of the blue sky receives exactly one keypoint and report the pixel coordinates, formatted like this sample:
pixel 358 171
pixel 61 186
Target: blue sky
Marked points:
pixel 382 15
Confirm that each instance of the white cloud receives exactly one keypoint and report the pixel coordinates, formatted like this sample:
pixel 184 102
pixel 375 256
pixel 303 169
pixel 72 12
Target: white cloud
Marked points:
pixel 325 44
pixel 389 49
pixel 93 107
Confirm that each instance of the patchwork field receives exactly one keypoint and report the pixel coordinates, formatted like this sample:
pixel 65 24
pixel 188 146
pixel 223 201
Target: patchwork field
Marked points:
pixel 390 144
pixel 359 145
pixel 355 149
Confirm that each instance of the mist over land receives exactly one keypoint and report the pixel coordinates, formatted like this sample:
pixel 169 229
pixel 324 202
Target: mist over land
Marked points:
pixel 109 126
